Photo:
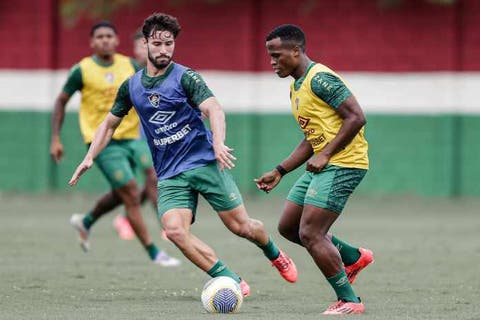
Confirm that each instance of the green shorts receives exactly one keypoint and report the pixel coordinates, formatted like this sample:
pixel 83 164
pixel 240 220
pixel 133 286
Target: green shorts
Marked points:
pixel 119 160
pixel 181 191
pixel 328 189
pixel 142 155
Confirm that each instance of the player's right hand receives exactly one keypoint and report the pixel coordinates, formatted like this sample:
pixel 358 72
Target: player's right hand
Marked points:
pixel 268 181
pixel 223 155
pixel 82 167
pixel 56 150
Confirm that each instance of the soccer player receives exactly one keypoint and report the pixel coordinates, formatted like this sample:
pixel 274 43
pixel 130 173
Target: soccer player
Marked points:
pixel 98 77
pixel 335 152
pixel 189 159
pixel 139 49
pixel 149 191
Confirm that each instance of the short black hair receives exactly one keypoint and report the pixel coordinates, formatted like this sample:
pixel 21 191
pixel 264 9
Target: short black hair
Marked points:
pixel 289 33
pixel 160 22
pixel 101 24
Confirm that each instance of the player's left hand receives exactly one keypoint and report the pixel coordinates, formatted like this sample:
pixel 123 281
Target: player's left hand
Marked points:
pixel 82 167
pixel 316 163
pixel 223 155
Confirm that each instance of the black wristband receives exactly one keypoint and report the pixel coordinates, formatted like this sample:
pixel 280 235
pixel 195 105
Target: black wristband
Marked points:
pixel 281 170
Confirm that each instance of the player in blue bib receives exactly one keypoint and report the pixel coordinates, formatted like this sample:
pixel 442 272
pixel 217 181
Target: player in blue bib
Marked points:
pixel 189 159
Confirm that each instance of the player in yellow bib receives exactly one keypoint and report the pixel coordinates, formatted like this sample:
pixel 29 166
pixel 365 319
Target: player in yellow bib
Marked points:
pixel 98 77
pixel 335 152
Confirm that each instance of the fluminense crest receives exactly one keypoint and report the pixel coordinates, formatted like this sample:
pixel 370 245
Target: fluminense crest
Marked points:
pixel 154 99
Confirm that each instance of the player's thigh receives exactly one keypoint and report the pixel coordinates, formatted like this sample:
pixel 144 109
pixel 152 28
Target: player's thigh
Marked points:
pixel 114 163
pixel 217 187
pixel 176 193
pixel 316 221
pixel 175 221
pixel 290 219
pixel 141 154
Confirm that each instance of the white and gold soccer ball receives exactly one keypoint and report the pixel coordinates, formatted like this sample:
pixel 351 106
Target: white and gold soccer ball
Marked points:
pixel 222 295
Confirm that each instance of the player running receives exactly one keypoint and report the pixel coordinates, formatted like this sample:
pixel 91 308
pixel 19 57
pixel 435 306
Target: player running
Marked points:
pixel 189 159
pixel 98 77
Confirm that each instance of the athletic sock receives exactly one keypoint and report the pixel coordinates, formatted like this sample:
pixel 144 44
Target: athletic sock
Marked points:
pixel 220 269
pixel 342 287
pixel 270 250
pixel 152 250
pixel 349 254
pixel 88 221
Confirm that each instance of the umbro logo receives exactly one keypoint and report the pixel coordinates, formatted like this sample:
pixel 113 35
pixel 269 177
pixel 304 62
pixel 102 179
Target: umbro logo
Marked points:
pixel 342 281
pixel 303 122
pixel 161 117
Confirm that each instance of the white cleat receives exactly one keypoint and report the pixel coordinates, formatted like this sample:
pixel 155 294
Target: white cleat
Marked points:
pixel 164 260
pixel 77 223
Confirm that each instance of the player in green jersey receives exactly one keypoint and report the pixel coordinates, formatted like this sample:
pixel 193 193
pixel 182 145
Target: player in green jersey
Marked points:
pixel 190 160
pixel 98 78
pixel 335 152
pixel 149 191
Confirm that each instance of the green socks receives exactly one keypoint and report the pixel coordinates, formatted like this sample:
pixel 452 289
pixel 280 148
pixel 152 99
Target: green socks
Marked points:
pixel 349 254
pixel 88 221
pixel 220 269
pixel 152 251
pixel 342 287
pixel 270 250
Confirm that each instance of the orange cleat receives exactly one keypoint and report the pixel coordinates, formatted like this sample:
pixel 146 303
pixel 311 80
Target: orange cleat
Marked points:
pixel 122 225
pixel 245 288
pixel 366 257
pixel 345 307
pixel 286 267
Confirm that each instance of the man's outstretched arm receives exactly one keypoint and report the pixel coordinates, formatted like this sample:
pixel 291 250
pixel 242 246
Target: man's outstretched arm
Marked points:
pixel 102 137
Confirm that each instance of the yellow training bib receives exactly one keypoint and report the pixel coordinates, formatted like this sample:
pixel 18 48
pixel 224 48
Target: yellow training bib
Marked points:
pixel 100 86
pixel 320 122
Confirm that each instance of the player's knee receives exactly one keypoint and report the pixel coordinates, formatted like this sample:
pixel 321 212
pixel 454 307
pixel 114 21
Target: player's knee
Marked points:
pixel 177 235
pixel 132 200
pixel 307 237
pixel 130 196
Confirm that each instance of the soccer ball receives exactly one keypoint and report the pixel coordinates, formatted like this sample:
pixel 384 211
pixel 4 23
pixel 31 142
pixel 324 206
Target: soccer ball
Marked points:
pixel 222 295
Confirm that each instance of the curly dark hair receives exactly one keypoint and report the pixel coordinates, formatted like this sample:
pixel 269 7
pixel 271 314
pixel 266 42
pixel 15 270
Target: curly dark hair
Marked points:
pixel 160 22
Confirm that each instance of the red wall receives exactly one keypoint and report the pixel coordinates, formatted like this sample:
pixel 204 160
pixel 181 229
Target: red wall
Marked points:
pixel 349 35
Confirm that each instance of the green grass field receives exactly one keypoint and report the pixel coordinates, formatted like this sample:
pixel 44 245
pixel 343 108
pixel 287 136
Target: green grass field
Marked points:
pixel 427 263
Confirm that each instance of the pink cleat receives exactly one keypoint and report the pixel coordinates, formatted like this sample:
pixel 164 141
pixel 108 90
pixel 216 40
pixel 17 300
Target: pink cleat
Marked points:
pixel 286 267
pixel 366 257
pixel 344 307
pixel 122 225
pixel 245 288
